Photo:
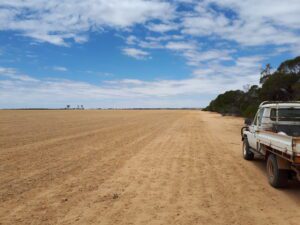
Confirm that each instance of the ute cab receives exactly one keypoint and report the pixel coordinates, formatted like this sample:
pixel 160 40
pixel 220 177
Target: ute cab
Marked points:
pixel 275 134
pixel 281 118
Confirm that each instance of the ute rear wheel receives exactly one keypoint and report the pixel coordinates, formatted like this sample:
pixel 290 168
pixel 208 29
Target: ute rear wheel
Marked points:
pixel 277 178
pixel 247 154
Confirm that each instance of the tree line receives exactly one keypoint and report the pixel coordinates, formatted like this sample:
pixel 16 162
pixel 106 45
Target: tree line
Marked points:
pixel 282 85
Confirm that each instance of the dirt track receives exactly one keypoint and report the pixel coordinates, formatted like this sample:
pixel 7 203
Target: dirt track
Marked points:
pixel 133 167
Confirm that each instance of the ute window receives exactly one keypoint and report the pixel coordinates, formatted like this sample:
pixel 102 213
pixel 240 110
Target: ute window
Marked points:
pixel 260 116
pixel 289 114
pixel 255 119
pixel 273 115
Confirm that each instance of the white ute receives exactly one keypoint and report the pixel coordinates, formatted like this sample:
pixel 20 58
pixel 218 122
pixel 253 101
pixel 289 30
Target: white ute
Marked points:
pixel 275 134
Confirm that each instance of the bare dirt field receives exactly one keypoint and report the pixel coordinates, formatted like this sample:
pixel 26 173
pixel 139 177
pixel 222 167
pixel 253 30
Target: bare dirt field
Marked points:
pixel 133 167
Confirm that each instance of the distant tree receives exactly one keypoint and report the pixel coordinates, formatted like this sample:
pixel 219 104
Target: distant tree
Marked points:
pixel 265 73
pixel 227 102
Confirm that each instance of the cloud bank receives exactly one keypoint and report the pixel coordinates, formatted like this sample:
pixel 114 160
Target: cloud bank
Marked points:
pixel 222 42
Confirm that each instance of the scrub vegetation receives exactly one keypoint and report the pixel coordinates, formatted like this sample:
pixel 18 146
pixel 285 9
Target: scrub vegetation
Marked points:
pixel 282 85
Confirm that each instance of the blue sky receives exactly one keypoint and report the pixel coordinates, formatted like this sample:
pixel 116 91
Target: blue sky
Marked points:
pixel 139 53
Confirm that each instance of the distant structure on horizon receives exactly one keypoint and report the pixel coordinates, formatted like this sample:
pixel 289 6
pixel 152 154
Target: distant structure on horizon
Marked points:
pixel 79 107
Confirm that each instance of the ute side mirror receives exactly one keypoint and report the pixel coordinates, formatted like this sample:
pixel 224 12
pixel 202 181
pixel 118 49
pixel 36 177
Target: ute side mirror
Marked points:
pixel 248 121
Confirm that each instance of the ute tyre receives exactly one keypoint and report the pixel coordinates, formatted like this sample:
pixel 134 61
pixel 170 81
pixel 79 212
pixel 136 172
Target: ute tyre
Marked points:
pixel 247 154
pixel 277 178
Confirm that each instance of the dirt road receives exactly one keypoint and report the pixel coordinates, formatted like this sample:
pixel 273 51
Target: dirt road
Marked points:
pixel 133 167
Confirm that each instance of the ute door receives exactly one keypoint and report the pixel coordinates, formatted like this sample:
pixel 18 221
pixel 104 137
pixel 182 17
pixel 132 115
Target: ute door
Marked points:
pixel 257 122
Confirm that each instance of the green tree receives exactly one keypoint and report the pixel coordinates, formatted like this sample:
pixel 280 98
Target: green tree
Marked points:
pixel 279 87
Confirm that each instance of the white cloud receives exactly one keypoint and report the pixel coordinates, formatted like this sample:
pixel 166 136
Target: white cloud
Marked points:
pixel 252 22
pixel 152 42
pixel 58 21
pixel 164 38
pixel 196 56
pixel 162 27
pixel 180 46
pixel 248 23
pixel 135 53
pixel 14 75
pixel 60 68
pixel 285 13
pixel 130 40
pixel 26 91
